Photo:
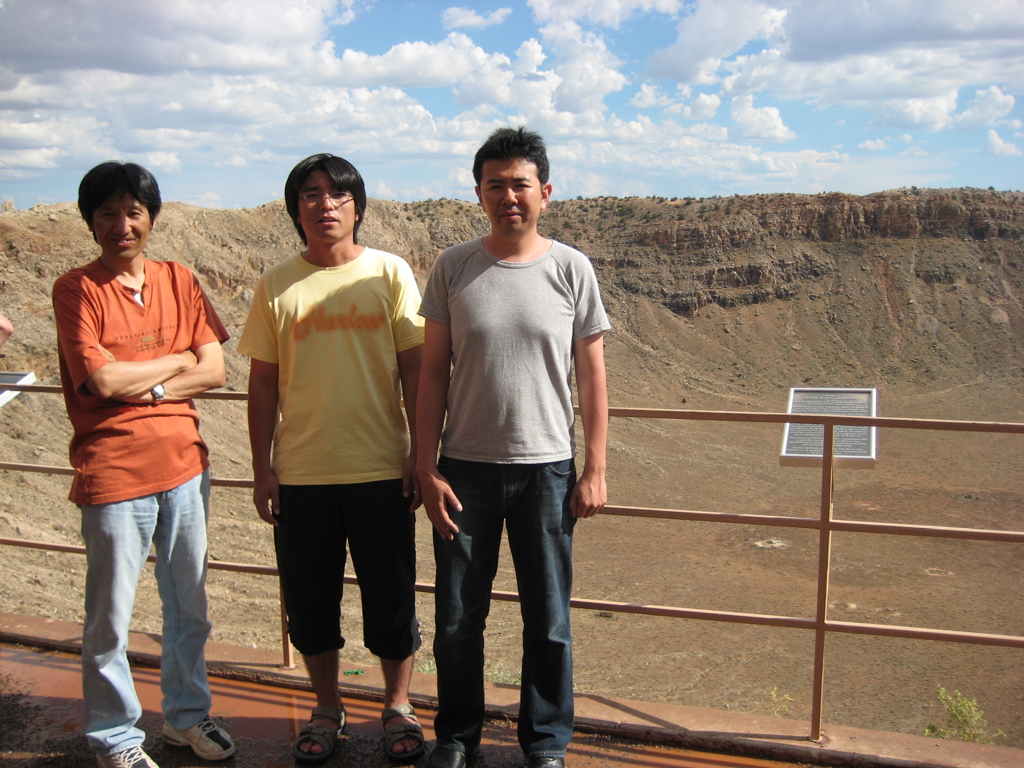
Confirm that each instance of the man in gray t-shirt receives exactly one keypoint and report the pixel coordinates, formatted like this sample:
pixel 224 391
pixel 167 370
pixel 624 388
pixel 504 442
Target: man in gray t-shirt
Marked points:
pixel 508 317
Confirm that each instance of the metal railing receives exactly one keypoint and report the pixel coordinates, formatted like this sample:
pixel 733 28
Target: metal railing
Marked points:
pixel 819 624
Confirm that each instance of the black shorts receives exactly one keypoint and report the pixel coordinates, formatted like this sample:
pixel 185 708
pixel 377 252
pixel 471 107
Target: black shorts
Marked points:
pixel 315 523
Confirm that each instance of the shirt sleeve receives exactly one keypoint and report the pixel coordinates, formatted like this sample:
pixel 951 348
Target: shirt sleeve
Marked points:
pixel 435 296
pixel 406 323
pixel 259 337
pixel 78 331
pixel 208 326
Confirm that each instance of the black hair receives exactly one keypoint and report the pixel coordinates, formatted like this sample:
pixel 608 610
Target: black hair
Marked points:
pixel 115 179
pixel 344 177
pixel 513 144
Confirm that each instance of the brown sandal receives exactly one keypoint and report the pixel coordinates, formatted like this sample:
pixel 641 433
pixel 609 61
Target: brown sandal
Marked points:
pixel 325 737
pixel 401 731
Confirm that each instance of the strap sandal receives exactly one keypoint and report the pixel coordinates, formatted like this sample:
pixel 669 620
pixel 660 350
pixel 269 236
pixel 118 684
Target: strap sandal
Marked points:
pixel 397 732
pixel 322 735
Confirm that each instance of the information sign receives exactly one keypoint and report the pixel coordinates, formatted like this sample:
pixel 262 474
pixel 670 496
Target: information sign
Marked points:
pixel 803 444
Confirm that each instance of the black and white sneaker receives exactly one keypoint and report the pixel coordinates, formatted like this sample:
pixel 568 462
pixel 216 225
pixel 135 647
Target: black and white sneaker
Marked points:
pixel 206 738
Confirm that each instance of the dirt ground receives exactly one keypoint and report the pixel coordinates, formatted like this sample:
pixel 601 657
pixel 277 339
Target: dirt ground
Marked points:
pixel 874 683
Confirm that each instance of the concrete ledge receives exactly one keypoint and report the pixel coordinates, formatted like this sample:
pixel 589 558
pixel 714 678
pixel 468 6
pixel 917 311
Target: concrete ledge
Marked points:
pixel 703 729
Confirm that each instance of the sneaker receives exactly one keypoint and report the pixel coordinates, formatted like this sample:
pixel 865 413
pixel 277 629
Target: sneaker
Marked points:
pixel 206 739
pixel 133 757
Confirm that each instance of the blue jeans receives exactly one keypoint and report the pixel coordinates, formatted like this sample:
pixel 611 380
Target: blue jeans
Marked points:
pixel 532 501
pixel 117 540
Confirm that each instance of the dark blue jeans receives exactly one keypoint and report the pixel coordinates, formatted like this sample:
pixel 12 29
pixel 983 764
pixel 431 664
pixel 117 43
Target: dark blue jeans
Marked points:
pixel 532 501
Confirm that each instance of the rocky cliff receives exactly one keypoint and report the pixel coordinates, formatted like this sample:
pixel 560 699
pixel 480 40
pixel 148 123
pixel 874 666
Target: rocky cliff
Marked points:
pixel 907 287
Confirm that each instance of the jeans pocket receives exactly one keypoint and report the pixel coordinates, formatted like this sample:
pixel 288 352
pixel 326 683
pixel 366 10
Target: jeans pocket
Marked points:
pixel 561 469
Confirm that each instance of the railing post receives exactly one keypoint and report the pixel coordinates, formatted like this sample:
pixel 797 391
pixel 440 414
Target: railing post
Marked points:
pixel 287 654
pixel 828 471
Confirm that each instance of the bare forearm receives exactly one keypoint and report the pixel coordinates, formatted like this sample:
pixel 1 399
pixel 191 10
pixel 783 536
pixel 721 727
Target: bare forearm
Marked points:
pixel 592 386
pixel 594 417
pixel 430 409
pixel 409 364
pixel 432 399
pixel 131 381
pixel 205 376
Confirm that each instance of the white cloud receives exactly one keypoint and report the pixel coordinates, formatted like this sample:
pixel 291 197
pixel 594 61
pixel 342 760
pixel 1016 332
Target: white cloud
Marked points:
pixel 589 72
pixel 996 146
pixel 35 158
pixel 609 13
pixel 822 30
pixel 416 64
pixel 207 199
pixel 714 30
pixel 456 18
pixel 529 57
pixel 216 35
pixel 703 107
pixel 164 161
pixel 650 96
pixel 930 114
pixel 989 106
pixel 232 106
pixel 758 122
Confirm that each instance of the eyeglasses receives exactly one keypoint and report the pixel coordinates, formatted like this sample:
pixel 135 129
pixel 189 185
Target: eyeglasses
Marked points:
pixel 337 199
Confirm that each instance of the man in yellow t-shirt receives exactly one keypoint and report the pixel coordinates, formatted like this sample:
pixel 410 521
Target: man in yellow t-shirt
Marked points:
pixel 335 343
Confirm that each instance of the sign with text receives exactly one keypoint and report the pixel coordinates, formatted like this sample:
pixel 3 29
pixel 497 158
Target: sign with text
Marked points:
pixel 803 444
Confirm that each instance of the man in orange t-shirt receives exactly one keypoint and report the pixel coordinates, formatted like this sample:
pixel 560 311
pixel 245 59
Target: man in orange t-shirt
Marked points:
pixel 136 340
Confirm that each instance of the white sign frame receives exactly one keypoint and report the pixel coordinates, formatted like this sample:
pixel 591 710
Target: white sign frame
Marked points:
pixel 13 377
pixel 856 447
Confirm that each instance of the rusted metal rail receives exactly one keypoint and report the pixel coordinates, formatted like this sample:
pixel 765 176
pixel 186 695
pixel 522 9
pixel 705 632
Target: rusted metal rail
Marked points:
pixel 824 523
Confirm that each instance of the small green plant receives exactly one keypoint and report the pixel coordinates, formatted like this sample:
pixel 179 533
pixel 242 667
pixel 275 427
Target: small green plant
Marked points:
pixel 779 705
pixel 428 667
pixel 496 672
pixel 499 673
pixel 965 721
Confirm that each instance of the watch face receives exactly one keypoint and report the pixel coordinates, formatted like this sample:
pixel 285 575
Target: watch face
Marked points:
pixel 158 392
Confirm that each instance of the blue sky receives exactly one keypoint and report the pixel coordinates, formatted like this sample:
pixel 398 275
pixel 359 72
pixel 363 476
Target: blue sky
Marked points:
pixel 220 98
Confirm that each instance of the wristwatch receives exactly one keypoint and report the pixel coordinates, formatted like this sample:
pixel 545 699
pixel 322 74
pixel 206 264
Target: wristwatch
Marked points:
pixel 158 393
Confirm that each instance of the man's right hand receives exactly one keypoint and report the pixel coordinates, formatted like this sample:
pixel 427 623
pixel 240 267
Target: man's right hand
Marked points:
pixel 437 495
pixel 265 496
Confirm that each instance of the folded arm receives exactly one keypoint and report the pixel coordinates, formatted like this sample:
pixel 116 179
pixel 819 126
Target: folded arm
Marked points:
pixel 183 374
pixel 131 381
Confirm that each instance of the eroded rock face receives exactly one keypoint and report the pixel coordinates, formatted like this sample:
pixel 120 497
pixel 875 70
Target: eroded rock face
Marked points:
pixel 751 250
pixel 957 253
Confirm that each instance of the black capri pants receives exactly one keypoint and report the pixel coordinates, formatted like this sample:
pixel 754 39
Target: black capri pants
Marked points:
pixel 314 525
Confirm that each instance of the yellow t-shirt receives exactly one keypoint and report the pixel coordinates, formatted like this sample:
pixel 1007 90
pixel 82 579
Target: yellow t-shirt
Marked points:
pixel 335 333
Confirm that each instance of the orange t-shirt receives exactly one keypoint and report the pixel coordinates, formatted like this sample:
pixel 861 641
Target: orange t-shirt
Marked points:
pixel 119 450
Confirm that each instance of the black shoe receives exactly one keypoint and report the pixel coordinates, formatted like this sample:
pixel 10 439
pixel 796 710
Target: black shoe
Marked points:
pixel 542 761
pixel 446 757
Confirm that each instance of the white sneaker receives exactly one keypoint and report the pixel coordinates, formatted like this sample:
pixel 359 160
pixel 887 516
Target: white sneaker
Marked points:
pixel 206 739
pixel 134 757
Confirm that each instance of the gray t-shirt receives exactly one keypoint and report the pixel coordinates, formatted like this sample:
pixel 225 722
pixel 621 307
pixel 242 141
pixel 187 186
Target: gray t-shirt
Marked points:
pixel 512 326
